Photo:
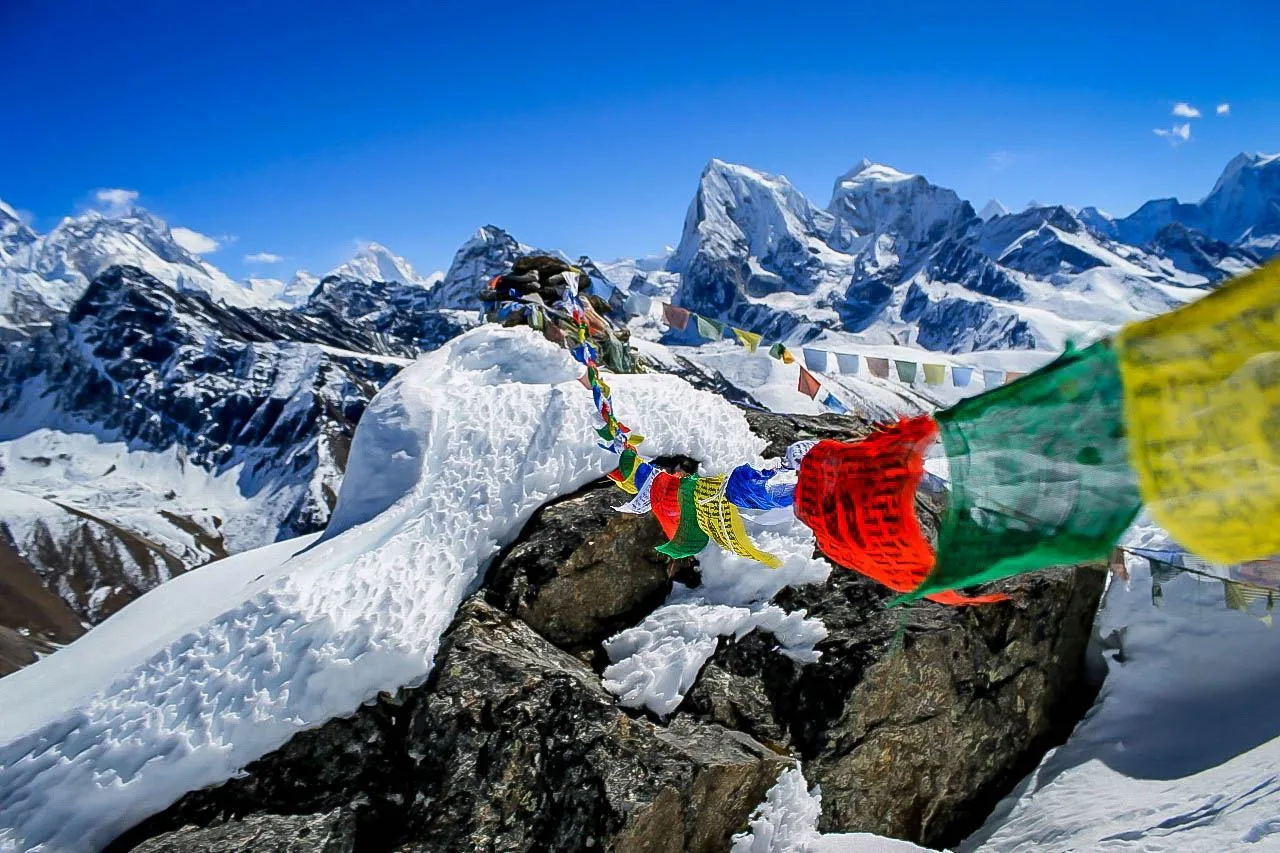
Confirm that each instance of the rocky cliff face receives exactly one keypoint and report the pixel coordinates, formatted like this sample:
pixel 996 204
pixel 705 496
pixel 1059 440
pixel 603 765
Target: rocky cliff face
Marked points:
pixel 914 721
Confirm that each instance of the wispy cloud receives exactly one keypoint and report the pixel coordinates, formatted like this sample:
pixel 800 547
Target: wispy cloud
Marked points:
pixel 1185 110
pixel 1176 135
pixel 194 242
pixel 263 258
pixel 998 160
pixel 1224 109
pixel 115 200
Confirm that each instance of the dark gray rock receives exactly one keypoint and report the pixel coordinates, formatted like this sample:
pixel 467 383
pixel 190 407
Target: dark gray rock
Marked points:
pixel 582 571
pixel 267 833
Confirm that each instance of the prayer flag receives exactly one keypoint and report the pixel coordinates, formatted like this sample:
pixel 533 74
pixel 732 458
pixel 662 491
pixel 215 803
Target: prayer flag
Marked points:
pixel 689 538
pixel 1202 396
pixel 750 340
pixel 834 404
pixel 879 367
pixel 809 385
pixel 1039 473
pixel 815 359
pixel 906 370
pixel 721 521
pixel 935 374
pixel 961 376
pixel 992 378
pixel 847 362
pixel 709 329
pixel 676 318
pixel 859 500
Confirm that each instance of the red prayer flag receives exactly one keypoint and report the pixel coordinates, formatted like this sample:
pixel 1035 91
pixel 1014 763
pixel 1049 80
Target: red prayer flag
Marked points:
pixel 664 495
pixel 859 500
pixel 809 385
pixel 1012 375
pixel 677 318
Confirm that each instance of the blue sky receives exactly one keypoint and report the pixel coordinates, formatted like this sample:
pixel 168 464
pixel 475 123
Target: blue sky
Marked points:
pixel 298 129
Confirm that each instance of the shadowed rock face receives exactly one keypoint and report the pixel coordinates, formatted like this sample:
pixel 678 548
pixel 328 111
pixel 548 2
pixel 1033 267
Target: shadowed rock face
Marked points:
pixel 915 721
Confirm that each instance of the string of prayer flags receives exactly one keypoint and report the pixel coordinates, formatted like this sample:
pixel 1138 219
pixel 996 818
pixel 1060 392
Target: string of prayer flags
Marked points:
pixel 676 318
pixel 712 330
pixel 720 520
pixel 961 376
pixel 1039 474
pixel 808 384
pixel 689 538
pixel 749 488
pixel 1202 394
pixel 834 404
pixel 750 340
pixel 935 374
pixel 847 362
pixel 906 371
pixel 878 367
pixel 815 359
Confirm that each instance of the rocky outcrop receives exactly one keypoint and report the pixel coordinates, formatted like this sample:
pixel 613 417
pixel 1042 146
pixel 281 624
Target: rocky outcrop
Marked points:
pixel 513 746
pixel 914 721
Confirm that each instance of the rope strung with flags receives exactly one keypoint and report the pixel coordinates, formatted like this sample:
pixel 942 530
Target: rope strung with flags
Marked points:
pixel 1180 413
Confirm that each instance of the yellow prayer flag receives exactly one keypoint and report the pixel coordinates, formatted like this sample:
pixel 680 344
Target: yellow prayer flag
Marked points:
pixel 935 374
pixel 720 520
pixel 750 340
pixel 1202 401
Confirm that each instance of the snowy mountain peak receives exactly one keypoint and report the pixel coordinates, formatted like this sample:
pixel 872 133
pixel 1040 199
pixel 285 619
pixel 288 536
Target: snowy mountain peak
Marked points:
pixel 738 214
pixel 991 210
pixel 1239 164
pixel 375 262
pixel 490 251
pixel 866 171
pixel 878 199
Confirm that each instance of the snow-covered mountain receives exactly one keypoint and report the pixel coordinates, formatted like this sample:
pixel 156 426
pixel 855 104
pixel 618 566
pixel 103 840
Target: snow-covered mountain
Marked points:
pixel 149 430
pixel 374 262
pixel 893 253
pixel 42 275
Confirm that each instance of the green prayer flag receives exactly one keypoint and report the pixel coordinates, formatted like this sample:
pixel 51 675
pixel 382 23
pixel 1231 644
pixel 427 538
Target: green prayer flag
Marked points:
pixel 906 370
pixel 1040 473
pixel 709 329
pixel 690 538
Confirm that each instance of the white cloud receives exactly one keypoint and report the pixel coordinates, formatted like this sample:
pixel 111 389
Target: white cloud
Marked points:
pixel 998 160
pixel 115 200
pixel 1224 109
pixel 263 258
pixel 1176 135
pixel 1184 110
pixel 193 241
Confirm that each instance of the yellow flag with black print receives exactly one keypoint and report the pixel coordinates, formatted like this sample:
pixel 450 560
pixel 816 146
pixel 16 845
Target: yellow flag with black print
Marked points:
pixel 1202 401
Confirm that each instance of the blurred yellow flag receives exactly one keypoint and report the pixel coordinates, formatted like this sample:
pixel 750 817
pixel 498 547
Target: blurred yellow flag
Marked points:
pixel 1202 403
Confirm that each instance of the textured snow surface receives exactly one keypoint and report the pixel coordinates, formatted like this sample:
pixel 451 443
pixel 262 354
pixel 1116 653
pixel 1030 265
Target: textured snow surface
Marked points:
pixel 1180 751
pixel 449 462
pixel 787 822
